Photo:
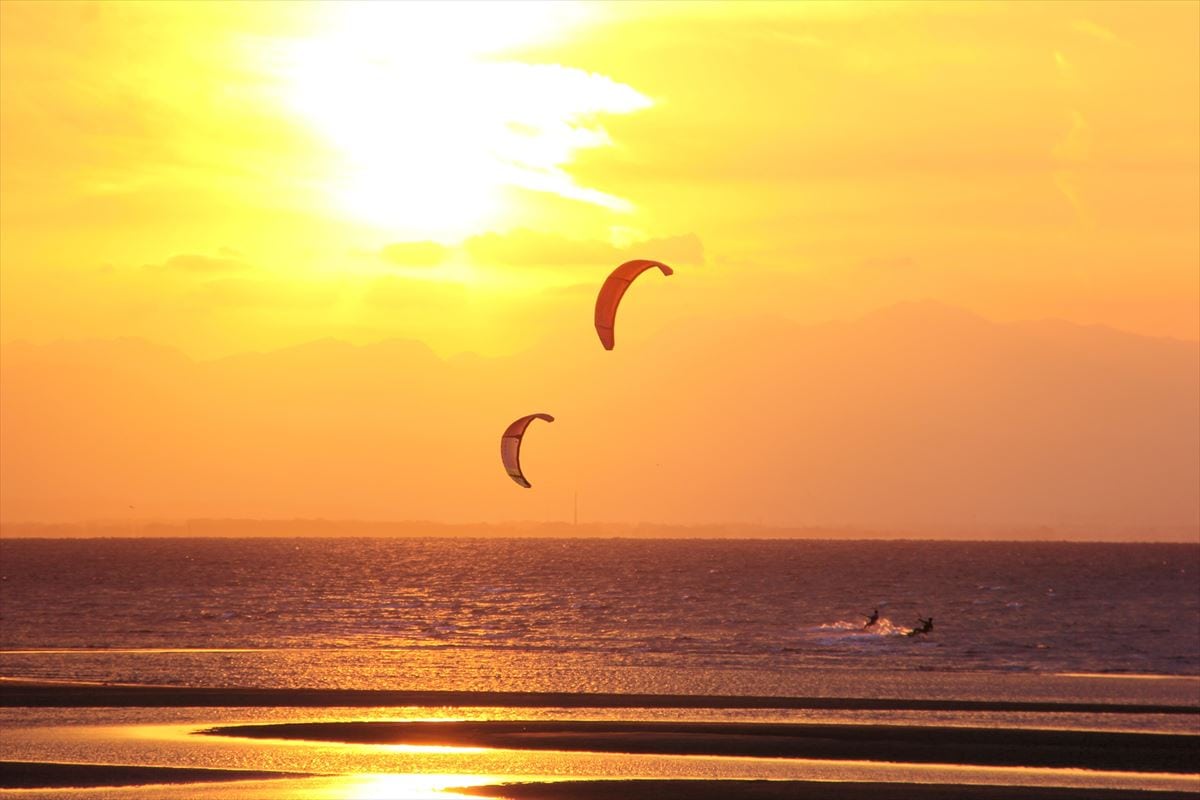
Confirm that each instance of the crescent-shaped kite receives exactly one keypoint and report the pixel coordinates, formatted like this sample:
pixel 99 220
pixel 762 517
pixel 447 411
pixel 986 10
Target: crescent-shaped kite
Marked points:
pixel 613 290
pixel 510 447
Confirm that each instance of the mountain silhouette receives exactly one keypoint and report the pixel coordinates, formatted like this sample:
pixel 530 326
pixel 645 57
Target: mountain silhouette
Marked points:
pixel 918 416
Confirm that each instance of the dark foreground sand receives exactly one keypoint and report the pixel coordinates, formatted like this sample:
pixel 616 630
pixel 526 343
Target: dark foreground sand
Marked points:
pixel 797 790
pixel 39 775
pixel 41 694
pixel 1135 752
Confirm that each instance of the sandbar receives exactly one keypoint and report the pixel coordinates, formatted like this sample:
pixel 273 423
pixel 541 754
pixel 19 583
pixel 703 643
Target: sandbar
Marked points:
pixel 50 775
pixel 1137 752
pixel 43 694
pixel 797 790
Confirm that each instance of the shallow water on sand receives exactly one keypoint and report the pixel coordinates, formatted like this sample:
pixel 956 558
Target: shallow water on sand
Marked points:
pixel 166 737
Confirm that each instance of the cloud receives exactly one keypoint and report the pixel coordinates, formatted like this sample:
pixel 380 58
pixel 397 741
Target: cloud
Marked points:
pixel 684 249
pixel 205 265
pixel 888 264
pixel 1076 142
pixel 1066 70
pixel 528 248
pixel 414 254
pixel 1072 151
pixel 392 294
pixel 257 293
pixel 1094 29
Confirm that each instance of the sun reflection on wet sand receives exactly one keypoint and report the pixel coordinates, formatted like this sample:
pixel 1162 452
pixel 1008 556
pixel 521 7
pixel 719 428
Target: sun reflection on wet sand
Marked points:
pixel 429 748
pixel 344 771
pixel 360 771
pixel 410 787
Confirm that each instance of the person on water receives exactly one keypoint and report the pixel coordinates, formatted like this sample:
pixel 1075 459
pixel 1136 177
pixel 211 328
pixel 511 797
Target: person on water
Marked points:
pixel 926 626
pixel 872 619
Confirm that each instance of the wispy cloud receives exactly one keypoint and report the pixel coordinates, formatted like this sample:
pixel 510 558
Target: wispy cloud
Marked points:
pixel 414 254
pixel 1094 29
pixel 528 248
pixel 204 265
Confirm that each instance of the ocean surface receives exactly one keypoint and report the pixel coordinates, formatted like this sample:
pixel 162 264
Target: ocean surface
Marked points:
pixel 689 616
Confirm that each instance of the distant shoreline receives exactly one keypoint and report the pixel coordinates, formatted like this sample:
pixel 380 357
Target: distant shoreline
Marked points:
pixel 409 529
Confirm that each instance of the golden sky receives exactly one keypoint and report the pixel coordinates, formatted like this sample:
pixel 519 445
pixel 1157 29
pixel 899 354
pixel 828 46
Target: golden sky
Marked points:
pixel 232 177
pixel 223 179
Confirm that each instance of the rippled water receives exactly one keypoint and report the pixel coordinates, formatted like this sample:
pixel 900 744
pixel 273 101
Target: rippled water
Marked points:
pixel 505 613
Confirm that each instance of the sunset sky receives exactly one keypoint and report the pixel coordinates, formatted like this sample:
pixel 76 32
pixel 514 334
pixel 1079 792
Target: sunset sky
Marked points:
pixel 223 179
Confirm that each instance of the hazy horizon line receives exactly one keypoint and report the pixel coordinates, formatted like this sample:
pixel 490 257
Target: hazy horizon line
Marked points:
pixel 319 527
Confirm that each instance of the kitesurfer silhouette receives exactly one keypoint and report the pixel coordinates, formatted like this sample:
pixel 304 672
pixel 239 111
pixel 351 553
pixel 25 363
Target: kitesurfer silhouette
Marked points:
pixel 872 619
pixel 926 627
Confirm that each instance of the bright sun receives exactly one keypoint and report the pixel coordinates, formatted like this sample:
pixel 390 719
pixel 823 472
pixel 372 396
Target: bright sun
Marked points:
pixel 429 126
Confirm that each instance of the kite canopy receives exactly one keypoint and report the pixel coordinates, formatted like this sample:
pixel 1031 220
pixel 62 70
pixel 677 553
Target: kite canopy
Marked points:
pixel 510 446
pixel 613 290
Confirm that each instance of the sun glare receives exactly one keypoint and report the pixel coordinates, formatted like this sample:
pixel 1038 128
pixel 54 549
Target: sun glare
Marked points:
pixel 417 787
pixel 430 123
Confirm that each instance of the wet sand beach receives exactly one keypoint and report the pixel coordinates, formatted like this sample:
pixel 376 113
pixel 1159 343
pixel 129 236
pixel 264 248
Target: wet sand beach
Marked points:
pixel 32 775
pixel 638 753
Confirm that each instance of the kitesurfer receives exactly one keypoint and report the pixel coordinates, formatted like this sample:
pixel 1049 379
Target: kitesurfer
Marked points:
pixel 872 619
pixel 926 626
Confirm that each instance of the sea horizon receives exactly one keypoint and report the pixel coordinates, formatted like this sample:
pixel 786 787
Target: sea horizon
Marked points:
pixel 319 527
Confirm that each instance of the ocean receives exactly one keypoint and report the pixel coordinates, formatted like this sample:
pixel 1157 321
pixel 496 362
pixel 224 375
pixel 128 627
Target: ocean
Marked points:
pixel 608 615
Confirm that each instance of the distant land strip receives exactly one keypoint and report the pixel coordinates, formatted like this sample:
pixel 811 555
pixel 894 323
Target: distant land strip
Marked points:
pixel 409 529
pixel 36 694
